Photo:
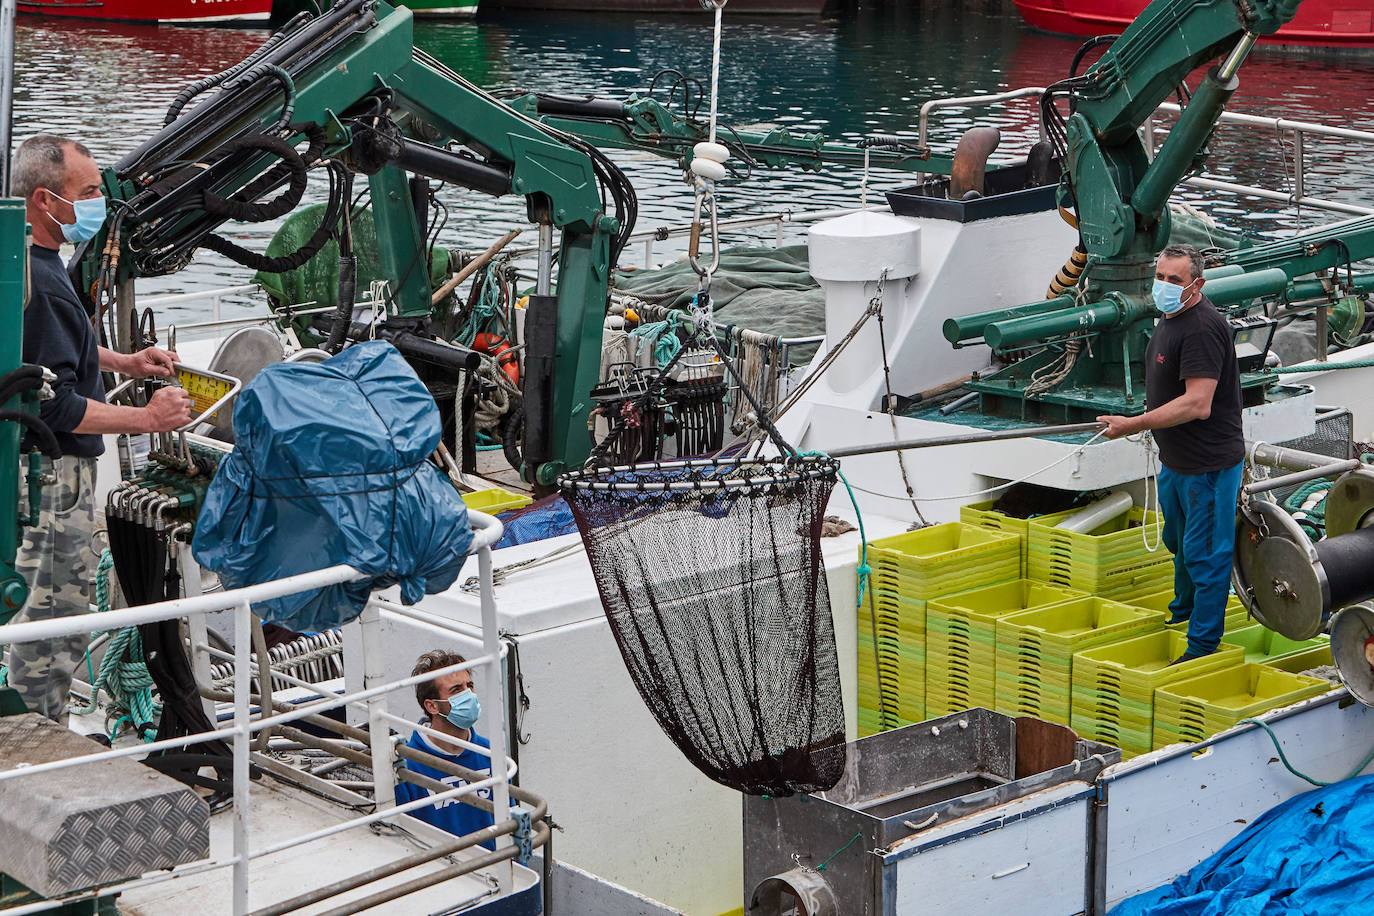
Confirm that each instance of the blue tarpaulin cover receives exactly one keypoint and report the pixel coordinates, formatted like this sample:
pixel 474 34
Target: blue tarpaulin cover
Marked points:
pixel 330 466
pixel 1311 854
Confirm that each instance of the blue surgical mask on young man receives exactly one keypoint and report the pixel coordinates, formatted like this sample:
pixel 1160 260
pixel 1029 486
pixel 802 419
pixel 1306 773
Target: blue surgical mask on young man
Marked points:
pixel 1168 296
pixel 90 216
pixel 464 709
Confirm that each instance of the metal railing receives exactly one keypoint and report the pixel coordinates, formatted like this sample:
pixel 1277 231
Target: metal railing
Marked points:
pixel 971 100
pixel 1299 130
pixel 371 699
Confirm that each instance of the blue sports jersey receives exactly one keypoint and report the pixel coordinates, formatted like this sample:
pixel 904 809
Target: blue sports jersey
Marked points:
pixel 450 814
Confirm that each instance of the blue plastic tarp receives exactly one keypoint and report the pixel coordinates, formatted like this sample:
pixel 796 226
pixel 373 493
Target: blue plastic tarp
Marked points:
pixel 1311 854
pixel 330 466
pixel 549 517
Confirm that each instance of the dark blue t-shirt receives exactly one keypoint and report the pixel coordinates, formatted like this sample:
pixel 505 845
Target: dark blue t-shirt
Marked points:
pixel 59 336
pixel 451 814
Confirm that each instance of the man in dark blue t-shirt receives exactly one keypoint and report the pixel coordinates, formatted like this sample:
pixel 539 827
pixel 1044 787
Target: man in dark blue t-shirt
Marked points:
pixel 450 703
pixel 60 184
pixel 1193 401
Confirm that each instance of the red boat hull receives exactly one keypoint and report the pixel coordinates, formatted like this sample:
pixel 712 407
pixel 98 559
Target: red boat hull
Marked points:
pixel 1318 23
pixel 174 11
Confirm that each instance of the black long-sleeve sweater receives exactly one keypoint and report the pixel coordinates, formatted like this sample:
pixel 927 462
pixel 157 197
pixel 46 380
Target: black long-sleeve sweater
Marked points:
pixel 58 335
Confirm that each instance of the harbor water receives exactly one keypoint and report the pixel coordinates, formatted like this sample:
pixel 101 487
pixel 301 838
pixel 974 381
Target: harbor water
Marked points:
pixel 848 75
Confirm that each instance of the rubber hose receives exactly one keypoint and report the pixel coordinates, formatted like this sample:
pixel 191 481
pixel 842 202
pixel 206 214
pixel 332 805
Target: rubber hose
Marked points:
pixel 288 85
pixel 510 437
pixel 1070 273
pixel 246 211
pixel 25 378
pixel 184 97
pixel 47 442
pixel 348 276
pixel 314 135
pixel 312 246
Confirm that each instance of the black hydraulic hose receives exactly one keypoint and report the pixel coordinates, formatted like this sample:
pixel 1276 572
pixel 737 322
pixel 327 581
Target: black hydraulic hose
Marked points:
pixel 328 225
pixel 47 442
pixel 245 210
pixel 255 74
pixel 348 278
pixel 25 378
pixel 185 96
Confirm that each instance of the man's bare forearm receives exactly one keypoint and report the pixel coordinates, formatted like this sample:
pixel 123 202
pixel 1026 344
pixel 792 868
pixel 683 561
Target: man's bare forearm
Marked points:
pixel 113 418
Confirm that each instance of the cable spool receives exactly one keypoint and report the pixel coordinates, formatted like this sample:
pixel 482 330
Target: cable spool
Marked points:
pixel 1290 584
pixel 1352 648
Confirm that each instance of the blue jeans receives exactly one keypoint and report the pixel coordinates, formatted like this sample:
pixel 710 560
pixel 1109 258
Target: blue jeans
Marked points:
pixel 1200 530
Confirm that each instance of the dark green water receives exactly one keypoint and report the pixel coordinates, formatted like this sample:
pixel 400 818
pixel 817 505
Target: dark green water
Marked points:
pixel 855 74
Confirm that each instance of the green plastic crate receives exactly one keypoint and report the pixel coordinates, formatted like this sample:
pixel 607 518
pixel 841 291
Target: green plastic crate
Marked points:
pixel 1035 650
pixel 1263 645
pixel 961 639
pixel 1114 685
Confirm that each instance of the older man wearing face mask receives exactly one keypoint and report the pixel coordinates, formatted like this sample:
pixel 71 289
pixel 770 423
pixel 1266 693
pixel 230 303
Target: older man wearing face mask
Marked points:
pixel 60 184
pixel 1192 392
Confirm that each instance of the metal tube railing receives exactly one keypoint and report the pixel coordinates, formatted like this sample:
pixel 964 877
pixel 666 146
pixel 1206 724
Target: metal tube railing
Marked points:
pixel 487 531
pixel 1300 130
pixel 970 100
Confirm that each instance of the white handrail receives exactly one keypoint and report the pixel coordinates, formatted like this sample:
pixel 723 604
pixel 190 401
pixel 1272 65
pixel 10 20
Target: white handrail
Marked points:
pixel 486 531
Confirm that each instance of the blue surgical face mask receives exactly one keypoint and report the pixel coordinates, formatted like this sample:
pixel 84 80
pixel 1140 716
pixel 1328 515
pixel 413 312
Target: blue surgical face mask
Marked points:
pixel 90 216
pixel 464 709
pixel 1168 296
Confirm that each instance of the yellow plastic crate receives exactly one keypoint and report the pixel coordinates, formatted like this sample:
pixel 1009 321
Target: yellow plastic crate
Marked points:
pixel 495 500
pixel 1117 540
pixel 943 559
pixel 1194 709
pixel 982 515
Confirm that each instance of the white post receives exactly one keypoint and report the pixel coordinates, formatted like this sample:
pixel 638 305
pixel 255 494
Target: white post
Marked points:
pixel 379 732
pixel 242 736
pixel 494 687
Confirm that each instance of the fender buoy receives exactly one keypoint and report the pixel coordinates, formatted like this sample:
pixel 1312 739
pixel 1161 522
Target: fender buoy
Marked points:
pixel 497 346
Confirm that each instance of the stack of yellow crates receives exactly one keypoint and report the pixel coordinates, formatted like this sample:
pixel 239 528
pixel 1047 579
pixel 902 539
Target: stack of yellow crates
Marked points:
pixel 1114 685
pixel 1035 651
pixel 1199 707
pixel 908 570
pixel 961 640
pixel 1111 561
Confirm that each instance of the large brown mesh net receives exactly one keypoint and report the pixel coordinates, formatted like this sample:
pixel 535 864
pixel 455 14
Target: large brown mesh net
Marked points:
pixel 711 576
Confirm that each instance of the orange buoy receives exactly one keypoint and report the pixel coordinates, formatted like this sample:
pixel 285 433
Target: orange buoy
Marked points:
pixel 500 348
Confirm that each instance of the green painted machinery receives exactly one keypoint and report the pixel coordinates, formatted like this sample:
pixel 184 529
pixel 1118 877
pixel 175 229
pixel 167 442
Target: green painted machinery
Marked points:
pixel 1090 341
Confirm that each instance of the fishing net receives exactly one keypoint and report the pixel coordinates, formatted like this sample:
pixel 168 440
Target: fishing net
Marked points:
pixel 710 573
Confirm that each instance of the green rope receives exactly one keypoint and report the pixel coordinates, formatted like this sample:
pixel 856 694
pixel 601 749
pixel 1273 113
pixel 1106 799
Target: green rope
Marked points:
pixel 1283 758
pixel 1322 367
pixel 123 673
pixel 822 866
pixel 1312 520
pixel 663 335
pixel 485 310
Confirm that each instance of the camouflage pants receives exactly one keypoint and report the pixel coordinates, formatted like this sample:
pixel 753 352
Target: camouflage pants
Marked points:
pixel 55 560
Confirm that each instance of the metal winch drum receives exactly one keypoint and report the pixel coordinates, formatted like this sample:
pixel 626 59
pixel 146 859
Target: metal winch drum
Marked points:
pixel 1291 585
pixel 1294 586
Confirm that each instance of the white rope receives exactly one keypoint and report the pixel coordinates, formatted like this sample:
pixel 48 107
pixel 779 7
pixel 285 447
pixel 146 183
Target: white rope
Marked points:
pixel 715 66
pixel 1151 477
pixel 1076 453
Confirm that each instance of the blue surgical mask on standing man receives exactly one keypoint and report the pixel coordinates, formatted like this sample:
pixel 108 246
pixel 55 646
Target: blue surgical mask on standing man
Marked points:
pixel 1168 296
pixel 90 216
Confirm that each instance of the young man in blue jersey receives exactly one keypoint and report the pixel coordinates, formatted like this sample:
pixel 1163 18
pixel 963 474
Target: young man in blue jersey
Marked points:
pixel 450 706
